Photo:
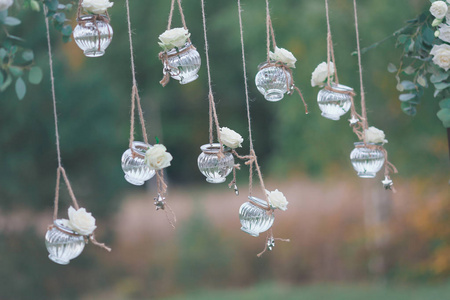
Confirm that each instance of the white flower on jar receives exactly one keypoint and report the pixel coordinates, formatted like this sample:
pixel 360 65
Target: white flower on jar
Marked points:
pixel 444 32
pixel 320 74
pixel 81 221
pixel 5 4
pixel 277 199
pixel 230 138
pixel 96 6
pixel 439 9
pixel 374 135
pixel 441 56
pixel 283 55
pixel 175 37
pixel 157 158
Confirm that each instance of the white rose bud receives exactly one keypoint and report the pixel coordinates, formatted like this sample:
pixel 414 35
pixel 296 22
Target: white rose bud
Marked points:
pixel 230 138
pixel 5 4
pixel 175 37
pixel 320 74
pixel 441 56
pixel 436 33
pixel 374 135
pixel 439 9
pixel 81 221
pixel 96 6
pixel 436 22
pixel 277 199
pixel 283 55
pixel 157 158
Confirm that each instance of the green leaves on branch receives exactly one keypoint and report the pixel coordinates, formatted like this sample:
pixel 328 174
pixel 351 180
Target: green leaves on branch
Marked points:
pixel 56 13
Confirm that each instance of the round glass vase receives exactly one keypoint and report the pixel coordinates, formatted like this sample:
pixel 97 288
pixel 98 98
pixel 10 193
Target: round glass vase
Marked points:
pixel 93 35
pixel 254 219
pixel 334 104
pixel 215 170
pixel 273 82
pixel 134 166
pixel 367 161
pixel 183 64
pixel 63 243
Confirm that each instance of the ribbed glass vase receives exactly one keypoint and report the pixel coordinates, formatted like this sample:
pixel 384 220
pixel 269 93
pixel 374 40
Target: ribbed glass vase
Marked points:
pixel 63 243
pixel 254 219
pixel 134 166
pixel 215 170
pixel 93 36
pixel 183 63
pixel 334 104
pixel 367 162
pixel 273 82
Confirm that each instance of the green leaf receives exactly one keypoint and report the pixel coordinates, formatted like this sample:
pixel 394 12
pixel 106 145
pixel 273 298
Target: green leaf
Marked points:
pixel 402 38
pixel 21 88
pixel 444 116
pixel 409 109
pixel 35 75
pixel 6 83
pixel 16 71
pixel 60 17
pixel 35 5
pixel 408 85
pixel 441 85
pixel 3 53
pixel 3 15
pixel 13 37
pixel 11 21
pixel 439 78
pixel 66 30
pixel 2 78
pixel 28 55
pixel 406 97
pixel 400 87
pixel 52 4
pixel 444 103
pixel 392 68
pixel 422 80
pixel 409 70
pixel 428 35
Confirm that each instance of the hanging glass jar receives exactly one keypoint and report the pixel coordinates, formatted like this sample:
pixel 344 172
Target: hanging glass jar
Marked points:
pixel 367 161
pixel 134 166
pixel 182 64
pixel 334 104
pixel 273 81
pixel 63 243
pixel 215 170
pixel 255 217
pixel 93 34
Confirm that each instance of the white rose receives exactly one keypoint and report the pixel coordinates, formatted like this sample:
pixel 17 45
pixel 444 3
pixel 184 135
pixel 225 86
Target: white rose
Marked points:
pixel 157 158
pixel 277 199
pixel 320 74
pixel 444 32
pixel 441 56
pixel 175 37
pixel 96 6
pixel 283 55
pixel 375 135
pixel 5 4
pixel 81 221
pixel 230 138
pixel 439 9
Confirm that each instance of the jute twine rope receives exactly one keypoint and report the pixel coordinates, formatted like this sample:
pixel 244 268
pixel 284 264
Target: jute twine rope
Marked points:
pixel 287 71
pixel 252 159
pixel 362 123
pixel 60 170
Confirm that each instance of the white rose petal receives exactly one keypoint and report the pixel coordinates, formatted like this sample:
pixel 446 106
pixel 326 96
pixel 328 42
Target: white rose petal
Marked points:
pixel 374 135
pixel 230 138
pixel 283 55
pixel 5 4
pixel 439 9
pixel 277 199
pixel 441 56
pixel 320 74
pixel 157 158
pixel 96 6
pixel 444 32
pixel 175 37
pixel 81 221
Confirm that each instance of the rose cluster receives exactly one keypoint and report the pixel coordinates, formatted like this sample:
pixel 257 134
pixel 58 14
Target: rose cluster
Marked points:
pixel 441 53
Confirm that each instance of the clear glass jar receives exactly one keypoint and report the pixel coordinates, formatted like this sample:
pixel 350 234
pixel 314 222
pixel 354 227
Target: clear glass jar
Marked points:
pixel 183 64
pixel 134 166
pixel 273 82
pixel 63 243
pixel 367 162
pixel 254 219
pixel 215 170
pixel 334 104
pixel 92 39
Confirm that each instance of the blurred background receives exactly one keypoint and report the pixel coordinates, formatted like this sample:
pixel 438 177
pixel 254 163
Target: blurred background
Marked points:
pixel 350 239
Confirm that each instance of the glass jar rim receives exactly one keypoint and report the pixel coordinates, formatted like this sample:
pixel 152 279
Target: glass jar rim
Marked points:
pixel 140 148
pixel 362 143
pixel 59 224
pixel 258 202
pixel 90 17
pixel 213 148
pixel 174 50
pixel 341 87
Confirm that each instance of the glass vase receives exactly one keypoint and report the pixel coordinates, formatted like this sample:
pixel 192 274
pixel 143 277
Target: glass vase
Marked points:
pixel 273 82
pixel 183 64
pixel 254 219
pixel 134 166
pixel 215 170
pixel 93 36
pixel 63 243
pixel 366 161
pixel 334 104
